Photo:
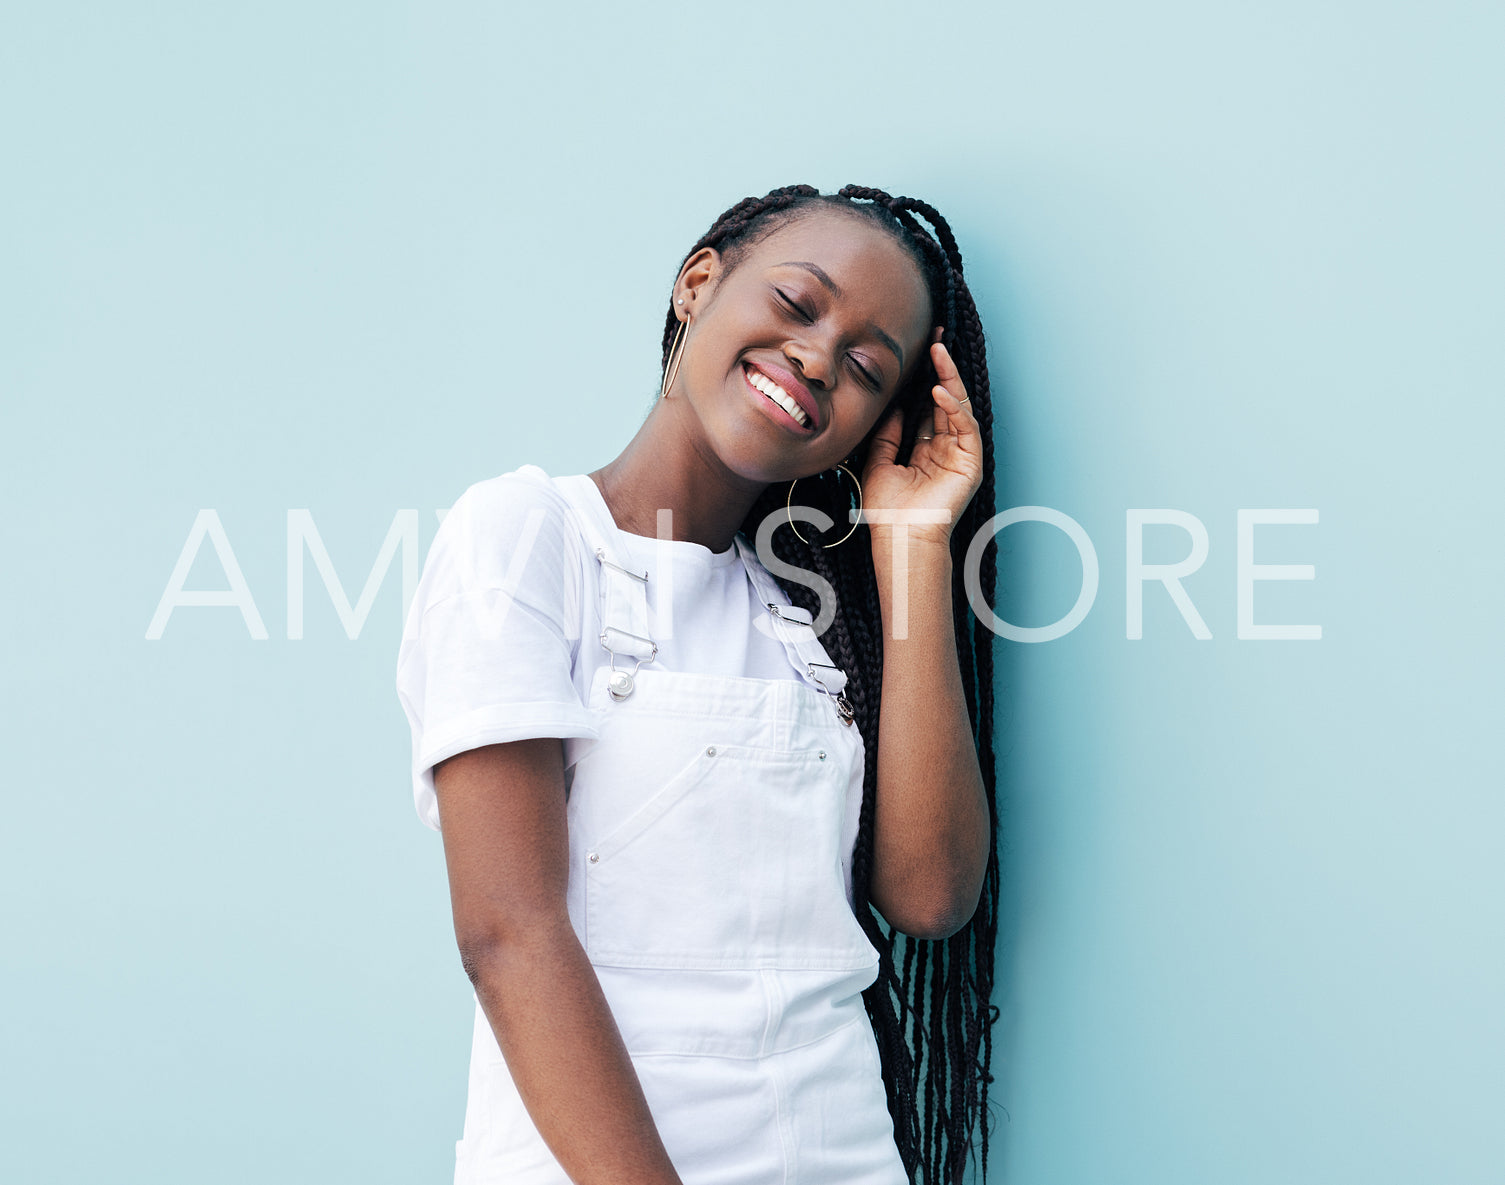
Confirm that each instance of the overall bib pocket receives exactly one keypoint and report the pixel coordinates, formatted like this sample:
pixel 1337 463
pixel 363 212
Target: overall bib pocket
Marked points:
pixel 732 864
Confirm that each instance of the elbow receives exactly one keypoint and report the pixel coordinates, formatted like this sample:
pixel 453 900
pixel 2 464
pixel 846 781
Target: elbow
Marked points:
pixel 477 956
pixel 493 948
pixel 935 914
pixel 931 895
pixel 482 952
pixel 939 921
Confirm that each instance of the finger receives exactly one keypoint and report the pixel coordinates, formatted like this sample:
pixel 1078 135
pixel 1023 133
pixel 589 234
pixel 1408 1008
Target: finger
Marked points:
pixel 945 371
pixel 954 394
pixel 937 333
pixel 925 429
pixel 959 417
pixel 885 446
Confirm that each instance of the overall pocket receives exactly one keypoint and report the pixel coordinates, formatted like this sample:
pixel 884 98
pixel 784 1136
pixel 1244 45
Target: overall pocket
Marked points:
pixel 733 864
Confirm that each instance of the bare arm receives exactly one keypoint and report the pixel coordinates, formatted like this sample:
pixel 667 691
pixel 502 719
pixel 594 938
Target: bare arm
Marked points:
pixel 503 814
pixel 931 827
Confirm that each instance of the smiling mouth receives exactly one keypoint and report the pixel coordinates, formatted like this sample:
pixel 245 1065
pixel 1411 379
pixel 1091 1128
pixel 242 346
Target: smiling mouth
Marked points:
pixel 777 394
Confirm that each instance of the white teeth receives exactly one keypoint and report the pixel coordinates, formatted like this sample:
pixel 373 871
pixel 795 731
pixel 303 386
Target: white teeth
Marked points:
pixel 780 396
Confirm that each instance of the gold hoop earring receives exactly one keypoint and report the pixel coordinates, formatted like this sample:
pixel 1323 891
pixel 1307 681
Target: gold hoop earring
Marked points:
pixel 789 508
pixel 676 352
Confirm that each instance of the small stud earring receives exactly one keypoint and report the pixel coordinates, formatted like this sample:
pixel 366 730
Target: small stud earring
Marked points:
pixel 681 300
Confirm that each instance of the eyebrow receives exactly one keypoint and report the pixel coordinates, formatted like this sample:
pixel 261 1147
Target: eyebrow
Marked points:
pixel 835 289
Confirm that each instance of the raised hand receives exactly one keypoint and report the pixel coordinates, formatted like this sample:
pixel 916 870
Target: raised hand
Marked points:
pixel 945 465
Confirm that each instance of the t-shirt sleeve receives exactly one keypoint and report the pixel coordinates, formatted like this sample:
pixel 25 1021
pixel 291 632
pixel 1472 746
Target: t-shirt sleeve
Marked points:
pixel 489 644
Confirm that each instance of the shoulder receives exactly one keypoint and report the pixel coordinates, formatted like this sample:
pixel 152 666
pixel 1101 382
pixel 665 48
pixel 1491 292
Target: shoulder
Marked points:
pixel 523 503
pixel 508 500
pixel 516 532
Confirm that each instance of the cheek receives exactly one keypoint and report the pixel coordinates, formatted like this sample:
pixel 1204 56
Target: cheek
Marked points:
pixel 856 430
pixel 715 348
pixel 865 428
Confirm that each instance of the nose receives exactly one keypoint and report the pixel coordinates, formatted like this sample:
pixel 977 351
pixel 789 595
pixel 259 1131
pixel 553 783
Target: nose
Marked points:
pixel 812 361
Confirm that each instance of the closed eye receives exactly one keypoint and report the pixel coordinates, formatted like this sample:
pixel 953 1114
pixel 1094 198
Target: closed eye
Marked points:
pixel 792 307
pixel 866 377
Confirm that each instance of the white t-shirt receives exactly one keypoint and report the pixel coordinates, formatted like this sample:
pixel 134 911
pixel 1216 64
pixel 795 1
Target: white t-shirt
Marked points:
pixel 502 639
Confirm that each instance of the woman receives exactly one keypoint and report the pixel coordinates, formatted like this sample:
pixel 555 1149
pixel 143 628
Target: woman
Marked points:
pixel 719 845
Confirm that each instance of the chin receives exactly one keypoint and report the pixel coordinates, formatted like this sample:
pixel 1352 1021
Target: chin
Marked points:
pixel 760 469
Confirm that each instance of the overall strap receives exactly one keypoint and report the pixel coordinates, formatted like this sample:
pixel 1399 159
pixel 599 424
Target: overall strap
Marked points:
pixel 794 628
pixel 623 588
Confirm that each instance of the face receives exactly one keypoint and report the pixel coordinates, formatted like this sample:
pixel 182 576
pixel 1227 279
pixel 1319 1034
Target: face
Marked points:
pixel 790 359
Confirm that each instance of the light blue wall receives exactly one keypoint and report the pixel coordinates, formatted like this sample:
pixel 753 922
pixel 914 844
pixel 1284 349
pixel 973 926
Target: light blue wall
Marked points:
pixel 353 257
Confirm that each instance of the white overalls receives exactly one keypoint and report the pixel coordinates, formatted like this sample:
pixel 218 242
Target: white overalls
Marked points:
pixel 706 884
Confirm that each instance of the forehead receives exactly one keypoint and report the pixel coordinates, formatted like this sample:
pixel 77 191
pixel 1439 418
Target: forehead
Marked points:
pixel 878 278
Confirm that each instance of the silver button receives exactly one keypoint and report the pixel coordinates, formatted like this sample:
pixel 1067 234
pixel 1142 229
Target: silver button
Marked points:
pixel 822 754
pixel 710 750
pixel 594 858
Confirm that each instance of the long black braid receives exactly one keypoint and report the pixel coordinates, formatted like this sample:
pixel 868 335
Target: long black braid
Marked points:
pixel 930 1006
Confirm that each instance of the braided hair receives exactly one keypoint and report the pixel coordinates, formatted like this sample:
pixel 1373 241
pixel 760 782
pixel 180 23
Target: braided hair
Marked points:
pixel 930 1006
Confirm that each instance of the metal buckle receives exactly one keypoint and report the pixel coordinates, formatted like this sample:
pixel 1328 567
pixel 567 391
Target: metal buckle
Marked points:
pixel 619 684
pixel 843 705
pixel 601 555
pixel 786 628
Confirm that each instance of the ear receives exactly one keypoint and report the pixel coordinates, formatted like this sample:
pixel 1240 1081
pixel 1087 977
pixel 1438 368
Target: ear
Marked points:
pixel 696 279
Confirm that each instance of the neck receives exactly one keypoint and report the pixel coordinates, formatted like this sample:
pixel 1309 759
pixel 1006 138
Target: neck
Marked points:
pixel 666 467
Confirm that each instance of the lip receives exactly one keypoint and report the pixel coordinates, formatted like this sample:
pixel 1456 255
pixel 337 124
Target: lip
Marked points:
pixel 796 389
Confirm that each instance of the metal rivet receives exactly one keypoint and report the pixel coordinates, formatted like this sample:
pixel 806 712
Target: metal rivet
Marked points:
pixel 710 750
pixel 594 858
pixel 822 754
